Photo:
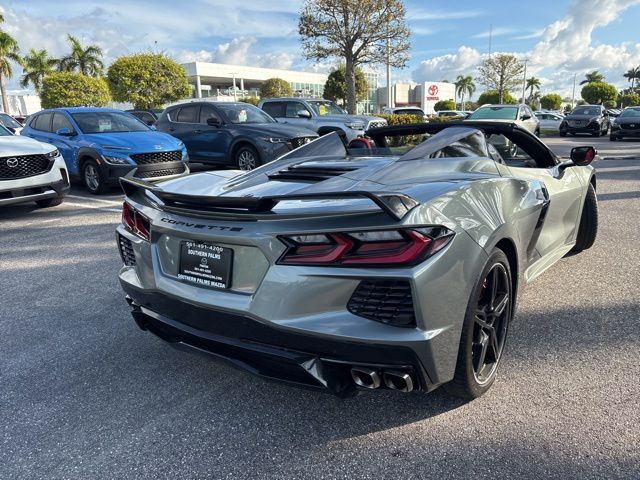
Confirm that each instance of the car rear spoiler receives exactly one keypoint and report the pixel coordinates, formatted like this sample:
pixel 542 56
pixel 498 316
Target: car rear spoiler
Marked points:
pixel 396 205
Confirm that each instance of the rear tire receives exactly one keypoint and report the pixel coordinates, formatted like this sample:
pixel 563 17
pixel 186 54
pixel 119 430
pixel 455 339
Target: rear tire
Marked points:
pixel 49 202
pixel 588 228
pixel 486 323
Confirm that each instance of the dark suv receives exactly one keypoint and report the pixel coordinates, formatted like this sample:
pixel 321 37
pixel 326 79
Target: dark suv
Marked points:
pixel 592 119
pixel 231 133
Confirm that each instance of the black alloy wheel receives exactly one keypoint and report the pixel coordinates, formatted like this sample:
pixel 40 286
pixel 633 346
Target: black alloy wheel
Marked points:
pixel 489 313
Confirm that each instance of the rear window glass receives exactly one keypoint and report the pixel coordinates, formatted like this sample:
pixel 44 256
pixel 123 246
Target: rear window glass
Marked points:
pixel 188 114
pixel 42 122
pixel 275 109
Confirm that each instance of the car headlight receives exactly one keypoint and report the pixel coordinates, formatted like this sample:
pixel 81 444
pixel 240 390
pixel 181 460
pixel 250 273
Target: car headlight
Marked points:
pixel 53 154
pixel 275 140
pixel 355 125
pixel 115 160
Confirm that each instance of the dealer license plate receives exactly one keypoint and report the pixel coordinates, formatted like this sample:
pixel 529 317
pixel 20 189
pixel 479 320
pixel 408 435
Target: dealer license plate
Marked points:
pixel 205 264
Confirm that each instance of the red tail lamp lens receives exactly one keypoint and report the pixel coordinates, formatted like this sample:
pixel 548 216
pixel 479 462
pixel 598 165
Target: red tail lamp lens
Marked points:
pixel 372 248
pixel 136 222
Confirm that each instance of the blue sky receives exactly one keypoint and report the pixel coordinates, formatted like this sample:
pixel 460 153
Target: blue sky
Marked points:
pixel 559 38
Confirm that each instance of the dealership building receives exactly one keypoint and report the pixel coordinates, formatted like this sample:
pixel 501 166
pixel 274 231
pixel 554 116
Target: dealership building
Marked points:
pixel 221 82
pixel 424 95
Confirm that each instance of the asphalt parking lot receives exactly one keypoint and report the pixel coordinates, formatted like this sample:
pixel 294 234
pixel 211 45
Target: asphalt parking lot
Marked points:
pixel 85 394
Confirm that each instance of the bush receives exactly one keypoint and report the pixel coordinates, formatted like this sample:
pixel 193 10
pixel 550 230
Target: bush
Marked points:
pixel 599 92
pixel 551 101
pixel 444 105
pixel 395 119
pixel 70 89
pixel 629 99
pixel 252 100
pixel 493 97
pixel 148 80
pixel 275 87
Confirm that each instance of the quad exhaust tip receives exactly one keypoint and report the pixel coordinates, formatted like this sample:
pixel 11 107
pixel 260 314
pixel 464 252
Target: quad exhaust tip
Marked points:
pixel 400 381
pixel 365 377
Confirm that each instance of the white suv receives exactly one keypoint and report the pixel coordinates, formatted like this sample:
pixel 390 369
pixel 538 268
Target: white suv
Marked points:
pixel 30 171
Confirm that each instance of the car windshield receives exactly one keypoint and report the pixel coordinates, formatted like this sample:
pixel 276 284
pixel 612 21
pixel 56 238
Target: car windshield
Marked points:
pixel 325 108
pixel 631 112
pixel 108 122
pixel 244 113
pixel 586 111
pixel 4 132
pixel 8 121
pixel 495 113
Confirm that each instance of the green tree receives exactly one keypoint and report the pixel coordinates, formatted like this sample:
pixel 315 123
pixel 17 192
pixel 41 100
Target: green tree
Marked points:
pixel 501 73
pixel 9 52
pixel 275 87
pixel 464 86
pixel 629 99
pixel 599 92
pixel 593 77
pixel 251 100
pixel 148 80
pixel 36 65
pixel 71 89
pixel 445 105
pixel 85 60
pixel 357 31
pixel 632 75
pixel 335 88
pixel 551 101
pixel 532 85
pixel 493 97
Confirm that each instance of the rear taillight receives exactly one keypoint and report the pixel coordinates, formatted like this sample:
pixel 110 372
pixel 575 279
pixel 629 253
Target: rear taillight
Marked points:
pixel 407 246
pixel 136 222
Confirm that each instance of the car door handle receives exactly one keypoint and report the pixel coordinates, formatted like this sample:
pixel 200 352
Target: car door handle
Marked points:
pixel 197 131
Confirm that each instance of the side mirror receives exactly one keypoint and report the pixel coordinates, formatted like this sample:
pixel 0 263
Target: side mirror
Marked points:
pixel 213 122
pixel 303 114
pixel 525 117
pixel 583 156
pixel 150 122
pixel 64 132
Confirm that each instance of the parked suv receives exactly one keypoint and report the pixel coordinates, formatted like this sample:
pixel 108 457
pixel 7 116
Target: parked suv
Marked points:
pixel 627 124
pixel 518 114
pixel 30 171
pixel 231 133
pixel 100 145
pixel 592 119
pixel 322 116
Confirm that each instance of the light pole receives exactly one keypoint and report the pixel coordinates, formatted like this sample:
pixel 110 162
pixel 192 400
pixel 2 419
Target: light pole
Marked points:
pixel 573 95
pixel 524 79
pixel 389 94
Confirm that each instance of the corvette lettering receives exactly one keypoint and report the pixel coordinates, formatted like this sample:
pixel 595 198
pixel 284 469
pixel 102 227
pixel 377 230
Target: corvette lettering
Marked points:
pixel 200 226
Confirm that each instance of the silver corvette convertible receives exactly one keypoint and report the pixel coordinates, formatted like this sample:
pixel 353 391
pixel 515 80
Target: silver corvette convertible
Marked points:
pixel 393 262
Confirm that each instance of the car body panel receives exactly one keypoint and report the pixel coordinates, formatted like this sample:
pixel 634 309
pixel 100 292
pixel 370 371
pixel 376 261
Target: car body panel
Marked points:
pixel 80 146
pixel 216 144
pixel 51 182
pixel 304 307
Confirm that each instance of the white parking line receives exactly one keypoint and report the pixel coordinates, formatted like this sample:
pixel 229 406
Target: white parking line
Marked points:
pixel 109 202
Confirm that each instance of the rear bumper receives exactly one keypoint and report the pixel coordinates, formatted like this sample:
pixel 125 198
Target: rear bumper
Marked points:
pixel 248 343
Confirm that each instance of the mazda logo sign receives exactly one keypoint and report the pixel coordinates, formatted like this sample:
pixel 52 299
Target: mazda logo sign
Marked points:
pixel 12 162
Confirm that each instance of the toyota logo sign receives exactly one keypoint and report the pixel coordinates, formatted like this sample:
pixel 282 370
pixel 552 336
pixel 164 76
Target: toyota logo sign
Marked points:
pixel 12 162
pixel 433 90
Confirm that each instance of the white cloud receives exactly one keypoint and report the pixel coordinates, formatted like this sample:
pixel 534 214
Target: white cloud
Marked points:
pixel 238 52
pixel 566 47
pixel 496 32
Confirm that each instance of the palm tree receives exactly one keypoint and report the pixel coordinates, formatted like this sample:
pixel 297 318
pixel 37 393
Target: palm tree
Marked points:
pixel 9 52
pixel 87 61
pixel 36 65
pixel 464 86
pixel 533 83
pixel 632 75
pixel 592 77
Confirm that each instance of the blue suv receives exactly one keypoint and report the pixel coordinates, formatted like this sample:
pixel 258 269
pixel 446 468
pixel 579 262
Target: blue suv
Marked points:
pixel 100 145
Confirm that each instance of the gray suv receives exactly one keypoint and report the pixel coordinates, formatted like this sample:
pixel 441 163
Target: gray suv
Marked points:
pixel 322 116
